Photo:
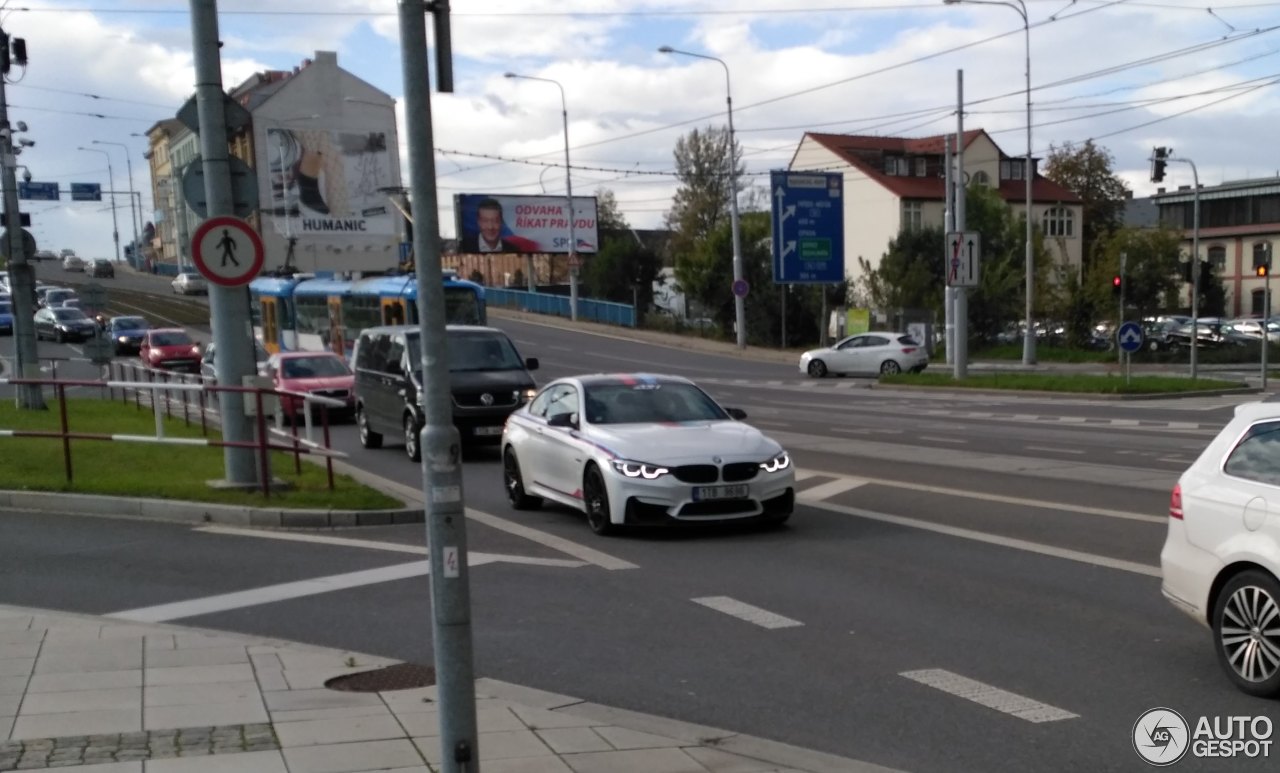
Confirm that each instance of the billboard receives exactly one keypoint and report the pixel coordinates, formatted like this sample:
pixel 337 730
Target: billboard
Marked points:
pixel 494 223
pixel 326 183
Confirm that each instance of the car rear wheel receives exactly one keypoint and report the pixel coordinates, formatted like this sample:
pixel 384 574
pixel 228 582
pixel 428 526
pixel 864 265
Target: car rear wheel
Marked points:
pixel 412 444
pixel 596 497
pixel 890 368
pixel 368 438
pixel 1246 632
pixel 817 369
pixel 513 482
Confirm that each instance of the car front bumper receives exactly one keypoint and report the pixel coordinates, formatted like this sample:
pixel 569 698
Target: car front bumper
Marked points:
pixel 668 500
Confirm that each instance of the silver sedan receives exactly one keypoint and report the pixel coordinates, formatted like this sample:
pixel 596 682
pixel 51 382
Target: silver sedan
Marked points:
pixel 867 354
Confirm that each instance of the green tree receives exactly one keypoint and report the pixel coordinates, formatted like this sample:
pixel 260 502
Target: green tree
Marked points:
pixel 1087 171
pixel 609 218
pixel 699 208
pixel 623 271
pixel 910 275
pixel 1151 271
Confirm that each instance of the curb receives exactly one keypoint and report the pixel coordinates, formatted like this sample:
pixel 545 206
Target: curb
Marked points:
pixel 202 512
pixel 1071 395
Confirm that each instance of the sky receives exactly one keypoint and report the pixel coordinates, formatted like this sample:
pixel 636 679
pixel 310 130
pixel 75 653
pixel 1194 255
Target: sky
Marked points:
pixel 1130 75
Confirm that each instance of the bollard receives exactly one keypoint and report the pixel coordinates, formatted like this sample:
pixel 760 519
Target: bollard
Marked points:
pixel 263 444
pixel 66 438
pixel 328 460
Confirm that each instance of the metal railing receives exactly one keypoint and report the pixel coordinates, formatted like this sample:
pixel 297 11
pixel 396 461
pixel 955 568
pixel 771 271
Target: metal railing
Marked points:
pixel 607 312
pixel 164 391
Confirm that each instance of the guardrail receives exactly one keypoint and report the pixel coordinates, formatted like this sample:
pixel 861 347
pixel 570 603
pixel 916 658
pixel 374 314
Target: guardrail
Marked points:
pixel 607 312
pixel 162 389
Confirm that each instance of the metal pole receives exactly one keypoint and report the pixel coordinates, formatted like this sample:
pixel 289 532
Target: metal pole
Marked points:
pixel 961 360
pixel 440 442
pixel 782 292
pixel 1120 317
pixel 573 234
pixel 739 302
pixel 1195 267
pixel 1266 315
pixel 22 276
pixel 1028 341
pixel 948 225
pixel 111 178
pixel 133 216
pixel 228 306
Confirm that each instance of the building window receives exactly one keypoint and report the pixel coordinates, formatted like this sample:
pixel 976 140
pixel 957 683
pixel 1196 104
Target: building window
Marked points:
pixel 922 167
pixel 912 215
pixel 1258 302
pixel 981 178
pixel 1058 221
pixel 1218 259
pixel 1005 172
pixel 891 165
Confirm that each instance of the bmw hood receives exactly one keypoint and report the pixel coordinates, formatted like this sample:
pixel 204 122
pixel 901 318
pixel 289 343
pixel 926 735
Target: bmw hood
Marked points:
pixel 686 443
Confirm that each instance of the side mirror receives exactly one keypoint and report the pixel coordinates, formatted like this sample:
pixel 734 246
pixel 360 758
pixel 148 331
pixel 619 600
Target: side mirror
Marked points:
pixel 531 363
pixel 563 420
pixel 736 413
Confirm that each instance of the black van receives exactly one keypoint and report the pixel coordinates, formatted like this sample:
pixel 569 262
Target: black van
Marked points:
pixel 487 378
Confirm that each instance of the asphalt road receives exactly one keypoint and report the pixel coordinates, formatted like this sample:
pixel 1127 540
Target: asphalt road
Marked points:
pixel 1009 540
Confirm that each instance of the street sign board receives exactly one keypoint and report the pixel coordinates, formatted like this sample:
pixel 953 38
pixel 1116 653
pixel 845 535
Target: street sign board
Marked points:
pixel 1129 337
pixel 963 259
pixel 244 187
pixel 38 191
pixel 86 192
pixel 740 288
pixel 93 297
pixel 227 251
pixel 808 227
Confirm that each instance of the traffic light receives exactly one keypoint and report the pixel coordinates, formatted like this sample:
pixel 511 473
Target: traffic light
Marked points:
pixel 1262 270
pixel 1262 263
pixel 1117 285
pixel 1159 158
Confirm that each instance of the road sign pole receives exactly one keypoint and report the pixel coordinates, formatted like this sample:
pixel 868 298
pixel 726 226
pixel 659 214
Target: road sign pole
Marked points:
pixel 961 312
pixel 228 306
pixel 1266 316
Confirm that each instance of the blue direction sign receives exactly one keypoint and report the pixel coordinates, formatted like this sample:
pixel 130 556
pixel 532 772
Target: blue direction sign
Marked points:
pixel 1129 337
pixel 38 191
pixel 86 192
pixel 808 227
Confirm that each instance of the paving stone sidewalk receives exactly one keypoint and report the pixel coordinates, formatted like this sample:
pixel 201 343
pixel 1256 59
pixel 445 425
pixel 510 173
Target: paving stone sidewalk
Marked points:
pixel 96 695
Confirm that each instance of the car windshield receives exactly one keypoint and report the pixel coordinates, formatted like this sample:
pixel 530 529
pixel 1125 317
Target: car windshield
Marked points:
pixel 58 295
pixel 129 323
pixel 170 338
pixel 68 315
pixel 313 367
pixel 648 403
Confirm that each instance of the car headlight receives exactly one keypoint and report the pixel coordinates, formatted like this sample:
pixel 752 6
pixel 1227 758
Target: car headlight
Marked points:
pixel 780 462
pixel 123 339
pixel 195 349
pixel 523 395
pixel 644 470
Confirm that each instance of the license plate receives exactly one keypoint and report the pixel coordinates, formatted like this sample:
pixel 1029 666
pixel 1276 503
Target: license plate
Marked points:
pixel 488 431
pixel 704 493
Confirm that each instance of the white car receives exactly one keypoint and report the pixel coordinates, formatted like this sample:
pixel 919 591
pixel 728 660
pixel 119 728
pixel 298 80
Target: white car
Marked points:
pixel 638 448
pixel 189 284
pixel 867 354
pixel 72 263
pixel 1221 558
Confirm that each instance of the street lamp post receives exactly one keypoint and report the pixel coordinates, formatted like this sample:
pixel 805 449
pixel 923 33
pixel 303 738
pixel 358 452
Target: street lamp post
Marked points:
pixel 568 187
pixel 739 301
pixel 1029 338
pixel 133 218
pixel 111 178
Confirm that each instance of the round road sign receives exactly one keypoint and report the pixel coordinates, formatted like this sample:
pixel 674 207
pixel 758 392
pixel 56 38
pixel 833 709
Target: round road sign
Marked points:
pixel 227 251
pixel 1129 337
pixel 741 288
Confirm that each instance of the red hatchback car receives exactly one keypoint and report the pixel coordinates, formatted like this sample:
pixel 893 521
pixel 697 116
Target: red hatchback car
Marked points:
pixel 324 374
pixel 170 348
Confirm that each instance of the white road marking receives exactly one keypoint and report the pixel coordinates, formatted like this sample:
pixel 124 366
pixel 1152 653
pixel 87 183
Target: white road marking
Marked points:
pixel 986 695
pixel 1124 422
pixel 955 492
pixel 743 611
pixel 992 539
pixel 806 474
pixel 830 489
pixel 268 594
pixel 1174 460
pixel 1072 419
pixel 934 439
pixel 393 547
pixel 1054 450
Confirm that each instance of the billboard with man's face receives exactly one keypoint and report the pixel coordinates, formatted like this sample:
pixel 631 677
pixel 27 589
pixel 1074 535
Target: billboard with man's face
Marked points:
pixel 523 224
pixel 327 183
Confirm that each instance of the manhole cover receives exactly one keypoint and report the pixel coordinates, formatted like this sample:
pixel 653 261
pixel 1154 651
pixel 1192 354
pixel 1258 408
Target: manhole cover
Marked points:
pixel 404 676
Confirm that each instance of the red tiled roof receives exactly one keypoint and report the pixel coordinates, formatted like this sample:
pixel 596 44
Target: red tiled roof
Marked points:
pixel 848 146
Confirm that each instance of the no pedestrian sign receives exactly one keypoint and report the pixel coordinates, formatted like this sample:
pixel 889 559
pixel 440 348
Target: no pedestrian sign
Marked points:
pixel 227 251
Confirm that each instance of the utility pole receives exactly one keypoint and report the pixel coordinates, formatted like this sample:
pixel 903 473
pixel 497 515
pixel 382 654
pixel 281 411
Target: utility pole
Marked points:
pixel 948 226
pixel 961 314
pixel 228 306
pixel 1120 317
pixel 440 442
pixel 22 276
pixel 133 217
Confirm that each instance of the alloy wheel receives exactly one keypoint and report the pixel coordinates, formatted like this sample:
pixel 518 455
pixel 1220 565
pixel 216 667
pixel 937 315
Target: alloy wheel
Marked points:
pixel 1250 633
pixel 890 368
pixel 817 369
pixel 596 498
pixel 411 438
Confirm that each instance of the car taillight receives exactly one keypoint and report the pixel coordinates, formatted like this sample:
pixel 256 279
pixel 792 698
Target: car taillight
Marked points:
pixel 908 351
pixel 1175 502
